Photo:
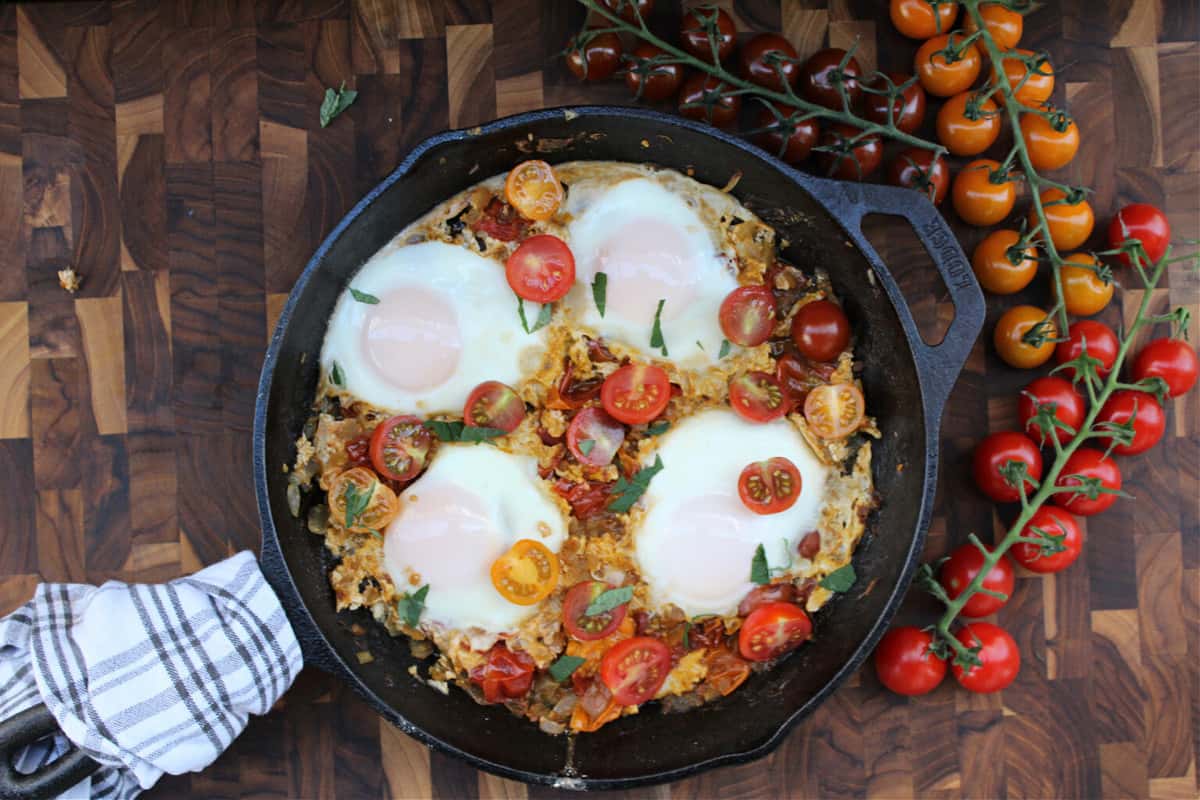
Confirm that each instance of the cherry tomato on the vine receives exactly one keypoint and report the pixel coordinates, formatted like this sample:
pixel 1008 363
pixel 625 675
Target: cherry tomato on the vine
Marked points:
pixel 823 74
pixel 594 56
pixel 1173 360
pixel 982 194
pixel 1039 85
pixel 1010 333
pixel 703 97
pixel 1100 341
pixel 908 109
pixel 905 664
pixel 996 450
pixel 1149 421
pixel 1054 521
pixel 630 10
pixel 1070 223
pixel 945 67
pixel 820 330
pixel 1052 144
pixel 764 57
pixel 801 133
pixel 920 19
pixel 1000 265
pixel 855 156
pixel 1084 291
pixel 1091 464
pixel 695 27
pixel 1005 25
pixel 916 168
pixel 960 569
pixel 1145 223
pixel 657 82
pixel 1051 389
pixel 999 656
pixel 968 124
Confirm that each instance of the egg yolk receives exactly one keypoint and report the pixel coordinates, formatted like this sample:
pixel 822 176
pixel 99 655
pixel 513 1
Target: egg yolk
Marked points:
pixel 645 262
pixel 445 536
pixel 411 338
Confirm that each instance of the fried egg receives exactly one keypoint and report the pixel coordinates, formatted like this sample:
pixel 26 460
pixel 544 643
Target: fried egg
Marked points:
pixel 429 323
pixel 652 247
pixel 697 539
pixel 471 505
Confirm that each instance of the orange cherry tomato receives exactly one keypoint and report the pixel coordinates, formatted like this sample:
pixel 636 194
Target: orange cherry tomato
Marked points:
pixel 1084 292
pixel 920 19
pixel 834 410
pixel 1009 337
pixel 968 124
pixel 1070 225
pixel 359 502
pixel 1004 25
pixel 981 195
pixel 945 77
pixel 526 574
pixel 1034 90
pixel 533 190
pixel 1051 143
pixel 1001 266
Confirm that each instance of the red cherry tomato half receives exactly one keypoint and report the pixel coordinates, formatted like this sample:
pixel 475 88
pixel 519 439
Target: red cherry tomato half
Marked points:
pixel 1101 345
pixel 756 397
pixel 961 568
pixel 581 625
pixel 771 486
pixel 400 447
pixel 1173 360
pixel 505 675
pixel 1145 223
pixel 1055 522
pixel 820 330
pixel 904 663
pixel 1047 390
pixel 998 449
pixel 747 315
pixel 491 404
pixel 1149 421
pixel 999 656
pixel 1091 464
pixel 636 393
pixel 772 630
pixel 542 269
pixel 634 669
pixel 603 432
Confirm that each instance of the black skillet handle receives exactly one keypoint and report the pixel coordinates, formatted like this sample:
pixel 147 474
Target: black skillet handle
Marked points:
pixel 939 364
pixel 51 780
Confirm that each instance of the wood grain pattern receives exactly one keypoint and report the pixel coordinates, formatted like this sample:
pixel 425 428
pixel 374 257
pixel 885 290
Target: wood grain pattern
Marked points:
pixel 172 153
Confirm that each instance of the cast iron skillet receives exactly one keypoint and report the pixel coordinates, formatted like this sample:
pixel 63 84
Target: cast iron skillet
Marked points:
pixel 906 383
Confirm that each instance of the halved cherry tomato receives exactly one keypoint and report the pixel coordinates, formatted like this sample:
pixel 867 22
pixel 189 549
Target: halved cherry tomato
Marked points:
pixel 957 572
pixel 1173 360
pixel 1055 522
pixel 1009 337
pixel 693 33
pixel 1005 25
pixel 942 77
pixel 1070 224
pixel 835 410
pixel 603 432
pixel 747 315
pixel 526 574
pixel 1046 390
pixel 798 376
pixel 491 404
pixel 635 669
pixel 772 630
pixel 506 675
pixel 823 73
pixel 996 450
pixel 371 504
pixel 968 124
pixel 999 654
pixel 920 19
pixel 1099 340
pixel 771 486
pixel 1149 421
pixel 1037 88
pixel 533 190
pixel 982 195
pixel 726 671
pixel 400 447
pixel 820 330
pixel 756 397
pixel 1052 143
pixel 905 664
pixel 1001 266
pixel 541 269
pixel 908 109
pixel 1090 464
pixel 581 625
pixel 1145 223
pixel 923 170
pixel 636 393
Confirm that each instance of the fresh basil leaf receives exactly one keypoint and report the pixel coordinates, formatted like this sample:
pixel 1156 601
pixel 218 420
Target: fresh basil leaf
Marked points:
pixel 759 572
pixel 656 334
pixel 475 434
pixel 363 297
pixel 444 430
pixel 725 348
pixel 336 376
pixel 627 492
pixel 840 580
pixel 600 292
pixel 687 635
pixel 410 606
pixel 586 445
pixel 335 103
pixel 561 669
pixel 657 428
pixel 608 600
pixel 543 316
pixel 356 502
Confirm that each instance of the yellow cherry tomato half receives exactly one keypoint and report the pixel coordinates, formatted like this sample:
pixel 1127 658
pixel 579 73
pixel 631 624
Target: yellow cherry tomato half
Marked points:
pixel 1001 266
pixel 360 502
pixel 1084 291
pixel 1009 337
pixel 526 574
pixel 1070 224
pixel 533 190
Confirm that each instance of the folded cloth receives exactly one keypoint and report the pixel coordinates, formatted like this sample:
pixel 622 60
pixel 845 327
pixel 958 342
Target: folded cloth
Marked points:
pixel 147 678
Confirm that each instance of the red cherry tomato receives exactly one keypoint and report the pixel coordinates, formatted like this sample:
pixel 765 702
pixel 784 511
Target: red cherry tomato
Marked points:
pixel 904 663
pixel 1149 421
pixel 631 10
pixel 820 330
pixel 653 83
pixel 1068 403
pixel 506 675
pixel 634 669
pixel 823 73
pixel 1000 657
pixel 636 393
pixel 772 630
pixel 1100 341
pixel 541 269
pixel 747 315
pixel 961 568
pixel 1091 464
pixel 400 447
pixel 491 404
pixel 695 27
pixel 756 397
pixel 908 109
pixel 767 55
pixel 845 162
pixel 996 450
pixel 1056 522
pixel 1173 360
pixel 1145 223
pixel 771 486
pixel 703 97
pixel 922 170
pixel 801 133
pixel 594 437
pixel 590 627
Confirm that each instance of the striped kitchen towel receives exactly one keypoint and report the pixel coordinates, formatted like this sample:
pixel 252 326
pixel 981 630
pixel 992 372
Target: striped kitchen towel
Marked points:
pixel 148 678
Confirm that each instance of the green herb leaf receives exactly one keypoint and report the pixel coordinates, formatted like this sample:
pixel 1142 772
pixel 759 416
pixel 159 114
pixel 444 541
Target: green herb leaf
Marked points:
pixel 658 428
pixel 840 580
pixel 759 572
pixel 336 376
pixel 455 431
pixel 543 316
pixel 363 297
pixel 627 492
pixel 608 600
pixel 410 606
pixel 356 502
pixel 687 637
pixel 561 669
pixel 335 103
pixel 586 445
pixel 725 348
pixel 656 334
pixel 600 291
pixel 473 434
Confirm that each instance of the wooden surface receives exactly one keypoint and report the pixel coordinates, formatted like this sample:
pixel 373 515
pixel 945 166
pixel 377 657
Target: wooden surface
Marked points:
pixel 172 154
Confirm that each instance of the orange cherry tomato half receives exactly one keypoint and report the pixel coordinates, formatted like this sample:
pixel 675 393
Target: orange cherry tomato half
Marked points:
pixel 1070 223
pixel 491 404
pixel 590 627
pixel 772 630
pixel 533 190
pixel 381 507
pixel 771 486
pixel 834 410
pixel 920 19
pixel 747 315
pixel 399 448
pixel 1084 291
pixel 1036 88
pixel 635 669
pixel 526 574
pixel 757 397
pixel 1001 266
pixel 1005 25
pixel 942 76
pixel 1009 337
pixel 981 195
pixel 541 269
pixel 1051 144
pixel 594 437
pixel 636 393
pixel 968 124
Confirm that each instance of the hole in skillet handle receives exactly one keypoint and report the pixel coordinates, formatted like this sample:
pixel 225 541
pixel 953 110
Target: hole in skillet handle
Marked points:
pixel 923 287
pixel 51 780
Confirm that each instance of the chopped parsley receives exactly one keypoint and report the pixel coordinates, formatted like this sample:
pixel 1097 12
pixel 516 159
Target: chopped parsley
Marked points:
pixel 543 318
pixel 455 431
pixel 562 669
pixel 600 291
pixel 608 600
pixel 410 606
pixel 840 580
pixel 363 297
pixel 628 492
pixel 336 376
pixel 335 103
pixel 725 348
pixel 760 573
pixel 656 334
pixel 356 502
